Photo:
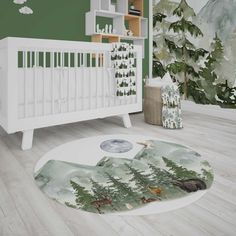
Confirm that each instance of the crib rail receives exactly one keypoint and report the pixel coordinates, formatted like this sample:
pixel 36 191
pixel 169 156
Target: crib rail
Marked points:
pixel 63 81
pixel 48 78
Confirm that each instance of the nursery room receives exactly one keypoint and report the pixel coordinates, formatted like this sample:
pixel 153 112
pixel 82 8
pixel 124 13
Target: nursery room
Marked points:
pixel 117 117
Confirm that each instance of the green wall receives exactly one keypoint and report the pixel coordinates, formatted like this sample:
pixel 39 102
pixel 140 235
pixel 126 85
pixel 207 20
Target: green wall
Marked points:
pixel 52 19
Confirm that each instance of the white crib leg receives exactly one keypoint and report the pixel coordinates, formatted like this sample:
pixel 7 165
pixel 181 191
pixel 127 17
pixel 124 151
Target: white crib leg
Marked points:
pixel 126 121
pixel 27 139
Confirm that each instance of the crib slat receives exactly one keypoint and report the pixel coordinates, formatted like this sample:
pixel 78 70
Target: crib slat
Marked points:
pixel 76 80
pixel 103 79
pixel 44 83
pixel 96 78
pixel 90 79
pixel 52 79
pixel 25 82
pixel 60 82
pixel 83 60
pixel 30 67
pixel 35 84
pixel 68 84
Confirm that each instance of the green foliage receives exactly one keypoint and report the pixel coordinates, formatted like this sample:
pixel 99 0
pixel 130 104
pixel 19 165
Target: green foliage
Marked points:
pixel 158 69
pixel 141 180
pixel 184 26
pixel 196 92
pixel 207 175
pixel 158 17
pixel 184 10
pixel 161 56
pixel 186 54
pixel 100 191
pixel 161 177
pixel 178 67
pixel 121 188
pixel 180 172
pixel 83 197
pixel 227 95
pixel 209 73
pixel 165 7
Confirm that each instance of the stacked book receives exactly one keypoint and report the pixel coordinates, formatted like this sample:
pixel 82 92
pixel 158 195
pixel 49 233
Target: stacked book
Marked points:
pixel 134 12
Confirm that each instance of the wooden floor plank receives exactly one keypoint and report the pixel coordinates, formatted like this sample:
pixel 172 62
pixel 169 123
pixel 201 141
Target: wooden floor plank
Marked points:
pixel 24 210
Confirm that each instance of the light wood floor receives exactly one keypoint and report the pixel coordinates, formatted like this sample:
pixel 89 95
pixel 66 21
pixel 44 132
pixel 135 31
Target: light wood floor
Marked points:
pixel 24 210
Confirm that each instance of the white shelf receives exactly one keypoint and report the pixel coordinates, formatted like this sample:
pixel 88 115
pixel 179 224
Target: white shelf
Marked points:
pixel 109 14
pixel 102 8
pixel 131 37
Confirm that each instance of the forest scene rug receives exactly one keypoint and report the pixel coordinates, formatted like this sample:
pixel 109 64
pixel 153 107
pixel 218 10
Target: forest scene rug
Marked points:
pixel 123 174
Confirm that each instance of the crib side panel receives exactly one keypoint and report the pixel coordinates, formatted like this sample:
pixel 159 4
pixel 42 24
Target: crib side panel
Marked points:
pixel 3 84
pixel 7 95
pixel 58 82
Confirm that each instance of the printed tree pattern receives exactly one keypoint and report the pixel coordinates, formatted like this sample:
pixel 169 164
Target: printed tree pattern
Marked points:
pixel 123 62
pixel 161 56
pixel 83 197
pixel 186 53
pixel 206 78
pixel 141 180
pixel 128 184
pixel 171 110
pixel 210 73
pixel 179 171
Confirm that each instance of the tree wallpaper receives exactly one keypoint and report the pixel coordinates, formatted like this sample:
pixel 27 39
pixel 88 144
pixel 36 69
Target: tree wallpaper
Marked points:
pixel 195 41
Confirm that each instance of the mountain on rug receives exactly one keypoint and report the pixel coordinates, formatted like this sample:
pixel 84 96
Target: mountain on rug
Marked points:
pixel 160 171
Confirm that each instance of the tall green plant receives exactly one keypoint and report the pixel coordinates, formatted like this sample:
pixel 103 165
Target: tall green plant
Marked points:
pixel 209 73
pixel 187 56
pixel 161 56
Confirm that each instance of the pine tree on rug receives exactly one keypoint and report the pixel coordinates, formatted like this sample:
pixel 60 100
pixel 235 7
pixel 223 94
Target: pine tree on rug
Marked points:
pixel 160 176
pixel 180 172
pixel 123 190
pixel 102 192
pixel 83 197
pixel 141 180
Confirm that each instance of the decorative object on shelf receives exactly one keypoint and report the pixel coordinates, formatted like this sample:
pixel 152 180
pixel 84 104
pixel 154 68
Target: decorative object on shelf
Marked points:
pixel 132 6
pixel 106 29
pixel 129 33
pixel 171 110
pixel 134 12
pixel 123 62
pixel 138 26
pixel 98 29
pixel 110 29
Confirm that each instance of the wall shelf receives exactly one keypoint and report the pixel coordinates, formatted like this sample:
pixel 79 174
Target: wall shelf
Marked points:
pixel 121 21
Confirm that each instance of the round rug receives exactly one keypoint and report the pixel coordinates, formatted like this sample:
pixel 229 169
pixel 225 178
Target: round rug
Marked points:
pixel 124 175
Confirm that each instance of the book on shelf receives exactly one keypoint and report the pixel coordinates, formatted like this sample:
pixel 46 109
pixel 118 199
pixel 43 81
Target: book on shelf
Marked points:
pixel 134 12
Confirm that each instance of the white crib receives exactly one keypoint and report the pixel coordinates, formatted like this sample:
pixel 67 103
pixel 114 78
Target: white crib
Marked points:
pixel 51 82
